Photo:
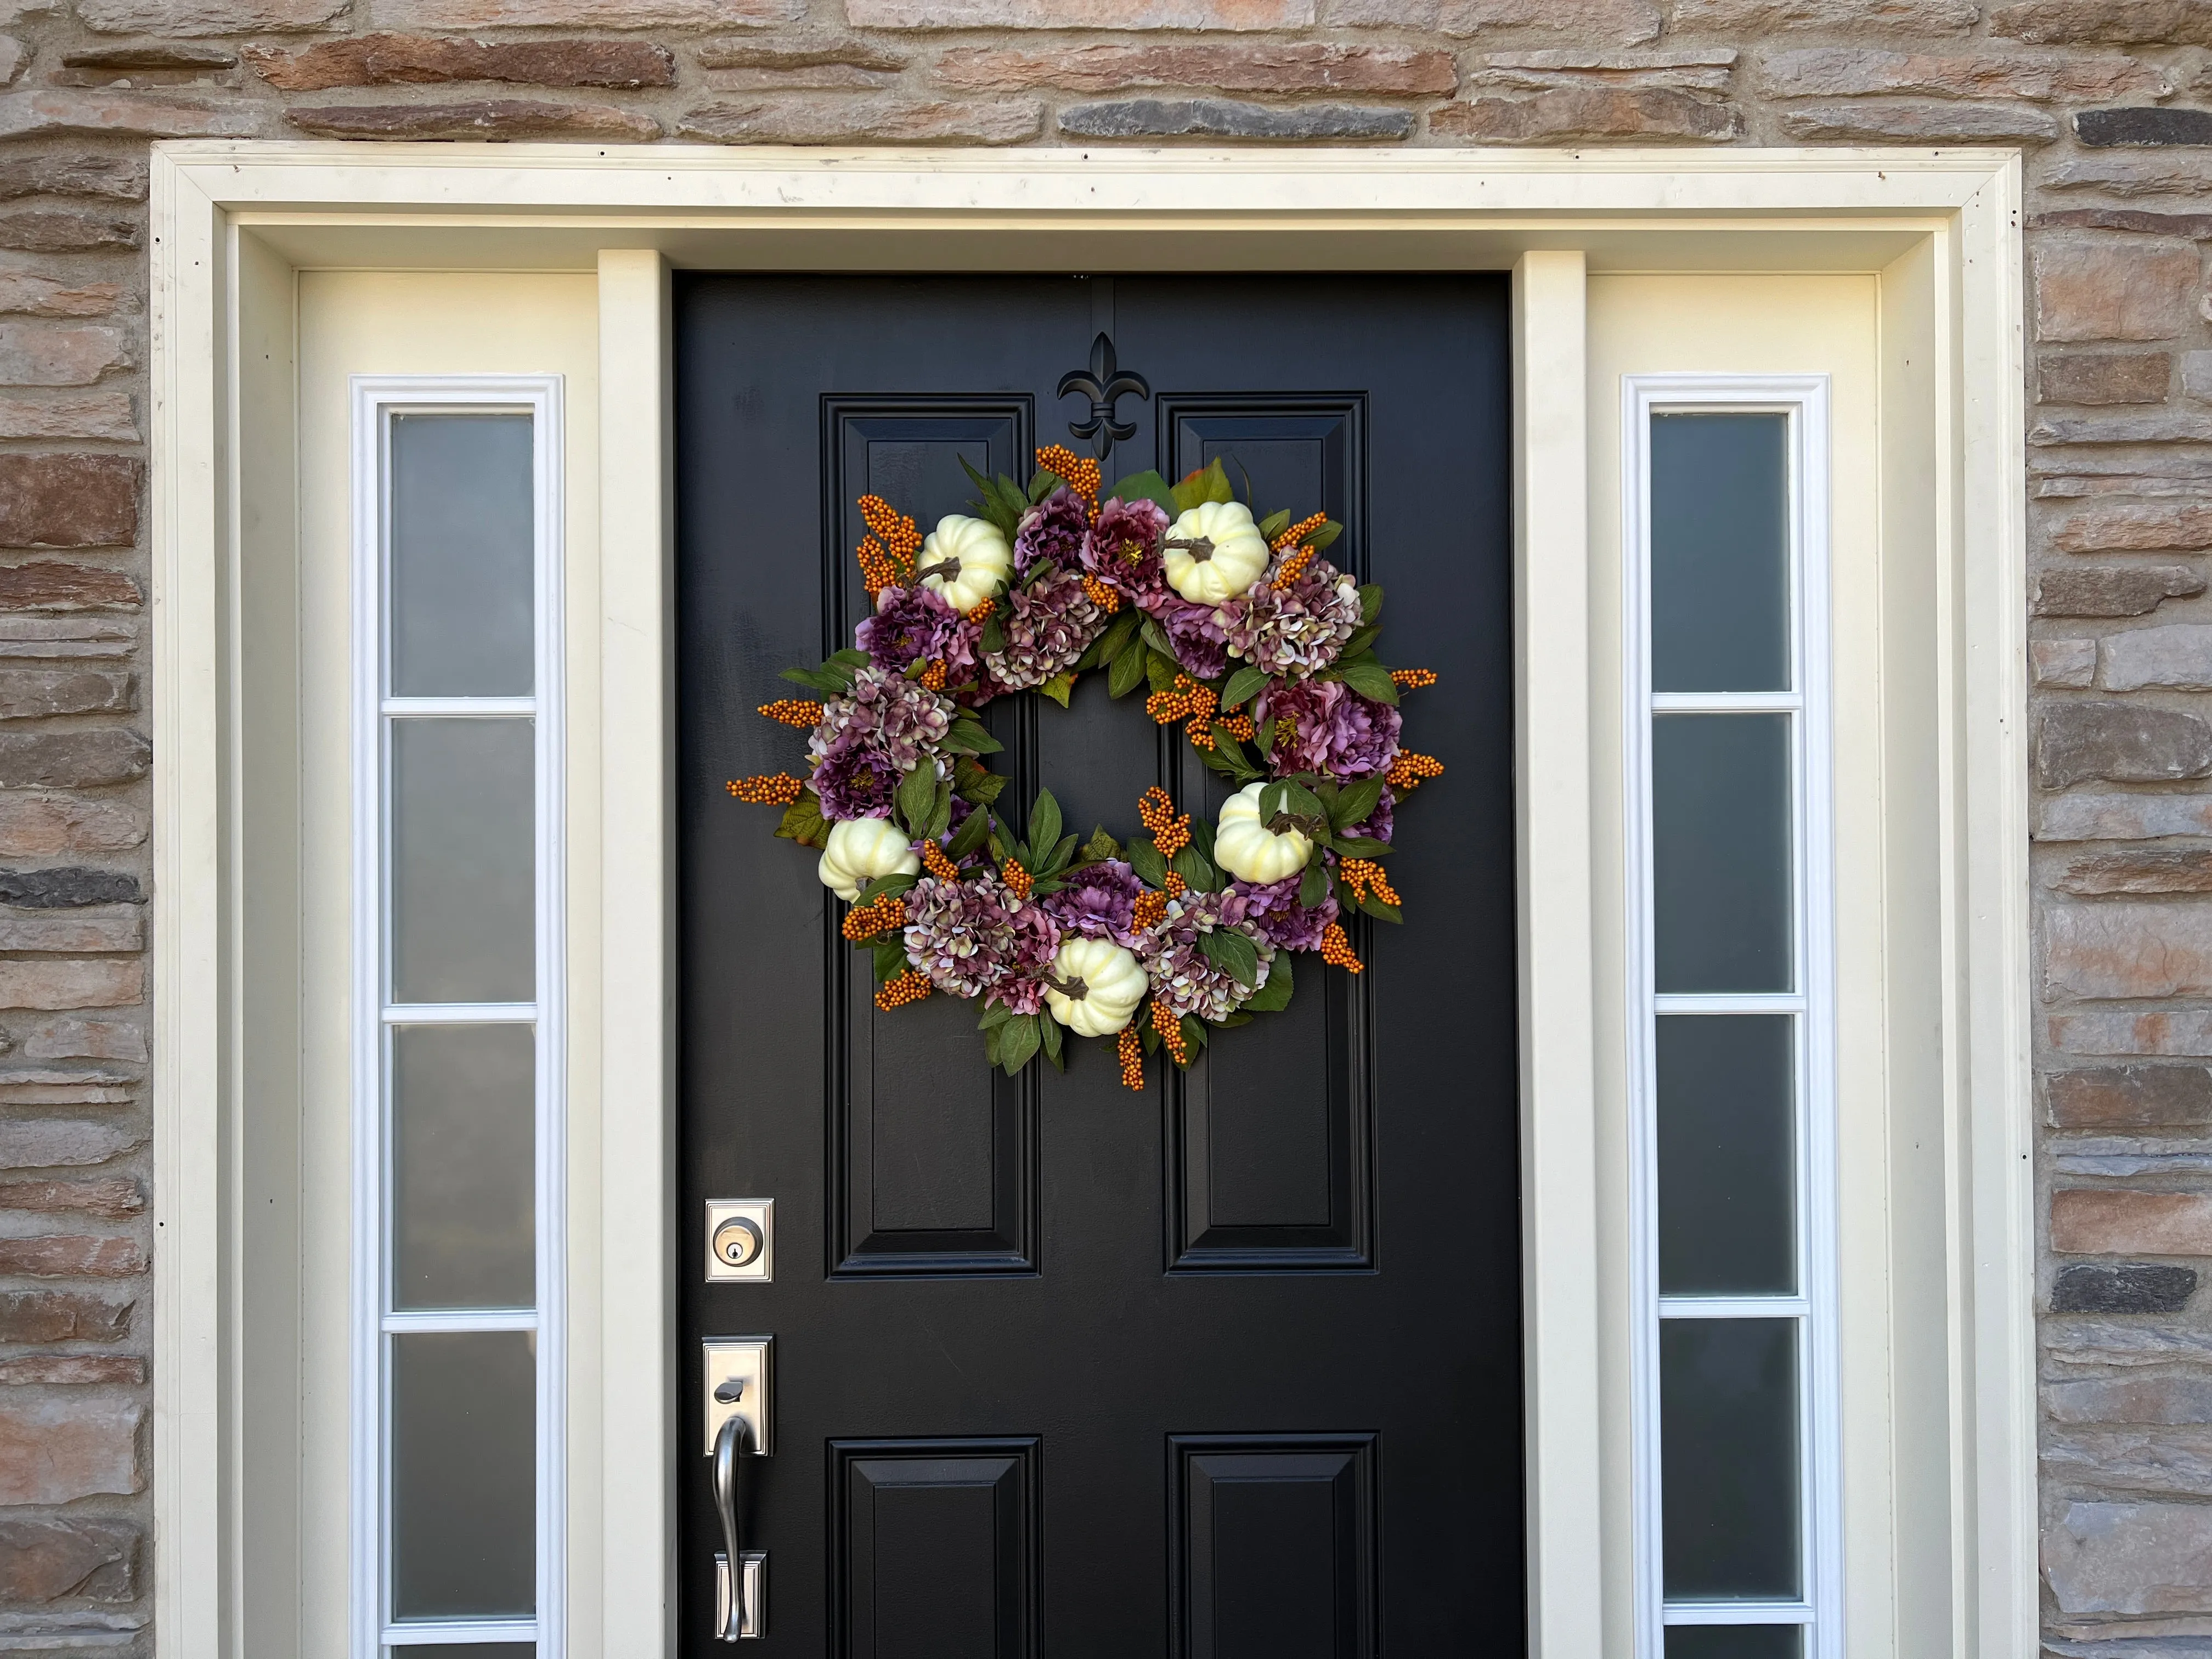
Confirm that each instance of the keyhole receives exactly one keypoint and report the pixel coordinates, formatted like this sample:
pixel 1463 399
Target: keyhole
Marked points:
pixel 737 1242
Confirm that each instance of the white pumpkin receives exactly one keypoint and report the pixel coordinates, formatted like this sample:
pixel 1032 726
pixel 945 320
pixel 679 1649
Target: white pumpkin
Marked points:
pixel 1113 985
pixel 860 850
pixel 1248 849
pixel 1213 552
pixel 966 560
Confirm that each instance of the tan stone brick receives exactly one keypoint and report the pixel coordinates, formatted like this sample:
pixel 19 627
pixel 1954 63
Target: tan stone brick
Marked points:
pixel 2062 662
pixel 61 1317
pixel 2159 428
pixel 1079 14
pixel 118 928
pixel 831 120
pixel 488 119
pixel 2181 1031
pixel 55 1451
pixel 92 415
pixel 74 230
pixel 34 637
pixel 1233 118
pixel 788 51
pixel 1593 22
pixel 1697 69
pixel 2121 743
pixel 2130 1399
pixel 34 693
pixel 1298 66
pixel 1849 71
pixel 2127 1096
pixel 2135 529
pixel 55 984
pixel 375 60
pixel 2108 289
pixel 806 77
pixel 115 1198
pixel 84 1039
pixel 65 501
pixel 1882 121
pixel 2118 22
pixel 66 1557
pixel 55 584
pixel 2175 657
pixel 2122 818
pixel 28 293
pixel 2129 950
pixel 2172 1461
pixel 121 177
pixel 63 1255
pixel 2104 377
pixel 2107 1221
pixel 190 17
pixel 1753 17
pixel 2127 175
pixel 59 354
pixel 72 1369
pixel 581 14
pixel 1566 114
pixel 2136 870
pixel 2113 590
pixel 43 826
pixel 57 112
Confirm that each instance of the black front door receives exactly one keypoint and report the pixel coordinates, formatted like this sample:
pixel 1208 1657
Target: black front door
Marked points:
pixel 1229 1369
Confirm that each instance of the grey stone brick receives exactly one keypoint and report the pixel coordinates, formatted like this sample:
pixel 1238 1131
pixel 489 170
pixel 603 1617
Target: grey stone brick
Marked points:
pixel 2075 742
pixel 1225 118
pixel 2122 1287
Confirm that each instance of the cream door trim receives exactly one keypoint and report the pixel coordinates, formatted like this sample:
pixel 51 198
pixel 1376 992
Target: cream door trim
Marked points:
pixel 233 222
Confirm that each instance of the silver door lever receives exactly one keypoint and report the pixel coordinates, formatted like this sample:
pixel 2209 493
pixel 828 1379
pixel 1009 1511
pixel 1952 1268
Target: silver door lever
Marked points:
pixel 731 1443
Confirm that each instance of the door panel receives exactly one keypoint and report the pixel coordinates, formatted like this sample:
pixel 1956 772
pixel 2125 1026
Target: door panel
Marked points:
pixel 1060 1367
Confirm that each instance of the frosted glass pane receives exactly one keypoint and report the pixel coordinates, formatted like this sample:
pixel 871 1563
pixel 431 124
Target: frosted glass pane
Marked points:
pixel 461 556
pixel 1720 852
pixel 1735 1641
pixel 1727 1164
pixel 1720 553
pixel 1728 1440
pixel 463 1205
pixel 464 1475
pixel 463 861
pixel 465 1651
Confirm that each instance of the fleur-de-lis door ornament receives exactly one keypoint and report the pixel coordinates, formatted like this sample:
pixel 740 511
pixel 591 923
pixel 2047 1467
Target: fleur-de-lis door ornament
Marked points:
pixel 1105 382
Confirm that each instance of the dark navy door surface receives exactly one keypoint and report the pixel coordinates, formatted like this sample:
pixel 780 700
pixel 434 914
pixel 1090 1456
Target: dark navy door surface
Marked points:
pixel 1227 1370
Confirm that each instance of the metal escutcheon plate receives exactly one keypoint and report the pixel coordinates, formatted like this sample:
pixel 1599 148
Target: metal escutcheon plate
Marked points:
pixel 740 1240
pixel 755 1627
pixel 742 1359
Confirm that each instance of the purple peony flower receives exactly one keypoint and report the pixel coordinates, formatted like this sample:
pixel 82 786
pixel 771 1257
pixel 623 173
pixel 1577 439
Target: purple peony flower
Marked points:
pixel 1297 629
pixel 1325 726
pixel 915 624
pixel 1200 646
pixel 976 936
pixel 1048 625
pixel 1099 901
pixel 1181 974
pixel 856 780
pixel 1273 912
pixel 1123 549
pixel 1055 529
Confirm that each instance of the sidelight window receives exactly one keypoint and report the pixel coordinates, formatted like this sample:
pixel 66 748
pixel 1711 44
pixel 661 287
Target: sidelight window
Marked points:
pixel 1730 1031
pixel 459 973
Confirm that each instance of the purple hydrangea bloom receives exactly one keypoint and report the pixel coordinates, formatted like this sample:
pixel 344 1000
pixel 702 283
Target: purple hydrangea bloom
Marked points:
pixel 1123 549
pixel 1055 529
pixel 1296 629
pixel 1181 974
pixel 915 624
pixel 1048 625
pixel 1325 726
pixel 1200 646
pixel 877 732
pixel 977 938
pixel 1099 901
pixel 1273 912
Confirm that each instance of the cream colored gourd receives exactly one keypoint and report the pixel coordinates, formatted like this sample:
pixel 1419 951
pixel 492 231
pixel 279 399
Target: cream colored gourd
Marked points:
pixel 1213 552
pixel 970 559
pixel 860 850
pixel 1251 851
pixel 1113 985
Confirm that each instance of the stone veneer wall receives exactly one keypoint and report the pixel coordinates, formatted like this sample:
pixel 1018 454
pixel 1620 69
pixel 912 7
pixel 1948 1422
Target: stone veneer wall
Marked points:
pixel 2111 100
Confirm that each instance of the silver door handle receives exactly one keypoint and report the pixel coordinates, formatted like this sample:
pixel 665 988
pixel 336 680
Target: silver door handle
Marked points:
pixel 737 1572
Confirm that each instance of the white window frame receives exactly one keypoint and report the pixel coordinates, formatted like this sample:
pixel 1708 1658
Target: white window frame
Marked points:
pixel 376 399
pixel 1803 400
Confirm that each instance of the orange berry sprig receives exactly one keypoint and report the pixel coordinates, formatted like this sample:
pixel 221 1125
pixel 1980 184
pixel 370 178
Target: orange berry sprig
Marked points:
pixel 1155 811
pixel 881 914
pixel 802 712
pixel 1078 472
pixel 1129 1046
pixel 1018 881
pixel 1103 597
pixel 909 987
pixel 1170 1031
pixel 932 678
pixel 1365 876
pixel 1407 771
pixel 1190 700
pixel 1174 886
pixel 1151 906
pixel 887 555
pixel 980 613
pixel 767 789
pixel 1412 679
pixel 935 861
pixel 1238 725
pixel 1298 531
pixel 1336 949
pixel 1294 567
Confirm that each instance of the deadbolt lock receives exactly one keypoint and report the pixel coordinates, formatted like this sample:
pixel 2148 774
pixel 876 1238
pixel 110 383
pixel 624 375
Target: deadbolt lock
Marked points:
pixel 740 1240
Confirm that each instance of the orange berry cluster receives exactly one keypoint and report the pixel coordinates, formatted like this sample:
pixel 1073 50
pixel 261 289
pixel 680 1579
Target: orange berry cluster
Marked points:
pixel 1412 679
pixel 1298 531
pixel 935 861
pixel 802 712
pixel 1078 472
pixel 879 915
pixel 1130 1048
pixel 1150 908
pixel 909 987
pixel 767 789
pixel 1170 1033
pixel 1238 725
pixel 1364 876
pixel 1174 886
pixel 1017 879
pixel 1294 567
pixel 1336 949
pixel 1409 768
pixel 1188 700
pixel 887 554
pixel 1103 597
pixel 1155 811
pixel 932 677
pixel 980 613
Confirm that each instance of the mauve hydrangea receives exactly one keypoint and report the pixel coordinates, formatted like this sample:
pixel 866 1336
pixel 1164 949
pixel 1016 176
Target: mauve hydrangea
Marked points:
pixel 1296 629
pixel 1273 913
pixel 1054 529
pixel 1123 549
pixel 1201 646
pixel 877 730
pixel 977 937
pixel 1325 726
pixel 915 624
pixel 1048 625
pixel 1181 974
pixel 1099 901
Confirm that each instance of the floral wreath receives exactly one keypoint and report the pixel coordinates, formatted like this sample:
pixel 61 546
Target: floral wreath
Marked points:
pixel 1243 632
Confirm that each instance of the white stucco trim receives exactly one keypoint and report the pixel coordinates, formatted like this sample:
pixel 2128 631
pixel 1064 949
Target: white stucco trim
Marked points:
pixel 231 221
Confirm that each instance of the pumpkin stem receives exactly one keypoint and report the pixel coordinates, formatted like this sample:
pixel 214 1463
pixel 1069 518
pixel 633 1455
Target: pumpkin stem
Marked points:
pixel 1074 989
pixel 946 571
pixel 1199 547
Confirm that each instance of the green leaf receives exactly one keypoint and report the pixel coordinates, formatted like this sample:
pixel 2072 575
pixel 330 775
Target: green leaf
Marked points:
pixel 1194 1036
pixel 1301 803
pixel 1062 850
pixel 1044 483
pixel 1053 1039
pixel 1145 858
pixel 1119 633
pixel 1371 679
pixel 883 884
pixel 1149 1037
pixel 1146 486
pixel 1271 797
pixel 1321 538
pixel 1232 1020
pixel 991 1045
pixel 815 679
pixel 1380 911
pixel 968 737
pixel 1155 637
pixel 1201 835
pixel 1190 863
pixel 917 798
pixel 1018 1041
pixel 1313 886
pixel 995 636
pixel 1263 738
pixel 1362 640
pixel 1244 685
pixel 1275 524
pixel 1362 847
pixel 1275 995
pixel 1127 672
pixel 994 1014
pixel 1233 953
pixel 1371 603
pixel 1100 846
pixel 848 658
pixel 1161 670
pixel 974 783
pixel 1210 483
pixel 941 814
pixel 1354 803
pixel 1044 823
pixel 1057 688
pixel 891 957
pixel 1233 755
pixel 803 822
